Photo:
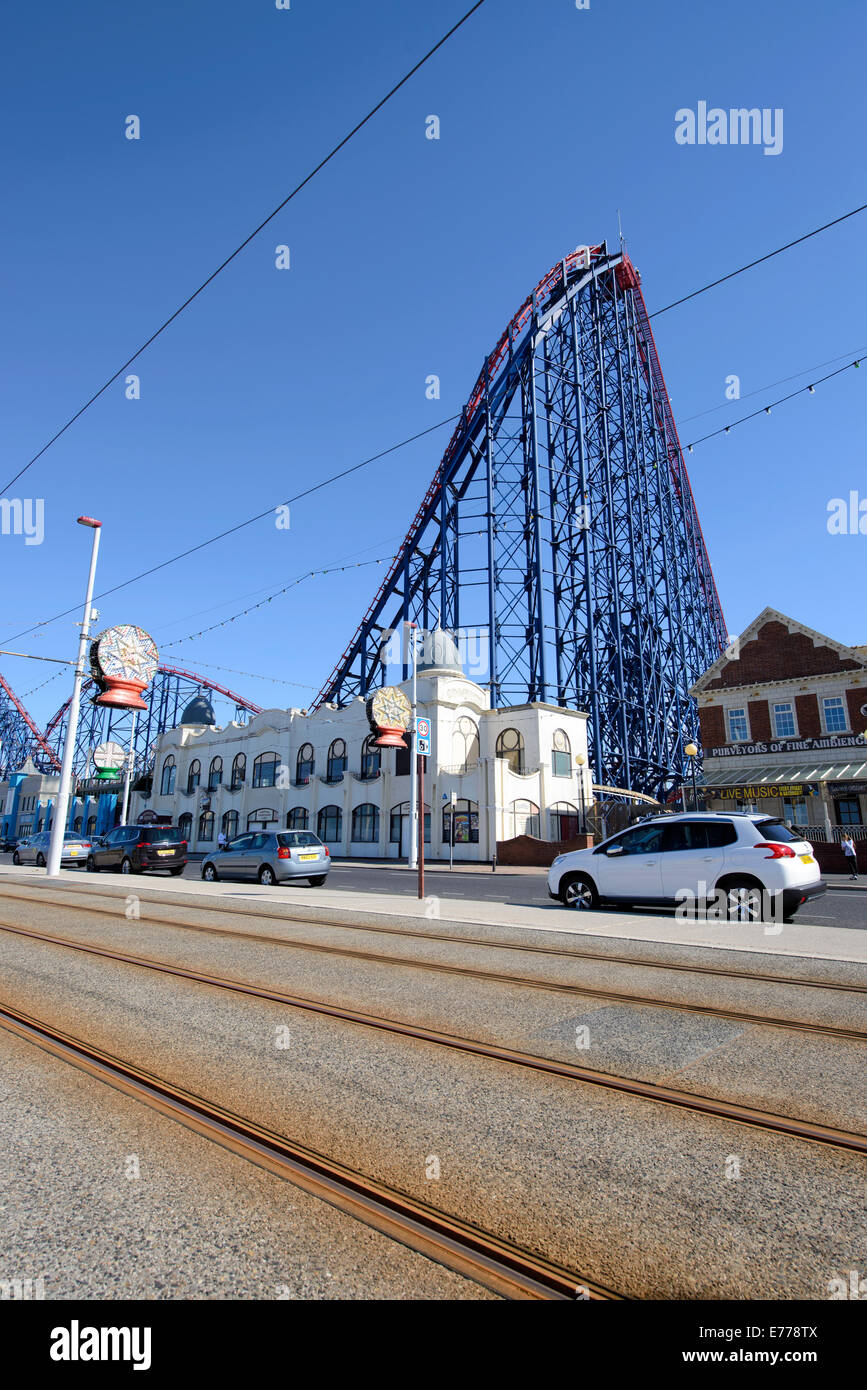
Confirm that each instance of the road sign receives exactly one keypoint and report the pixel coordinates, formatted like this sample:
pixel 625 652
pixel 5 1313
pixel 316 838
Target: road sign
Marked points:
pixel 422 746
pixel 422 728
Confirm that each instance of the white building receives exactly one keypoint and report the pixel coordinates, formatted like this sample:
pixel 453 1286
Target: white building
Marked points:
pixel 513 771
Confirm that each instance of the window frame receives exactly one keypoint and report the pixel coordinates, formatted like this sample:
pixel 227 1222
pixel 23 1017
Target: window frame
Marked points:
pixel 788 705
pixel 839 702
pixel 743 714
pixel 365 817
pixel 269 760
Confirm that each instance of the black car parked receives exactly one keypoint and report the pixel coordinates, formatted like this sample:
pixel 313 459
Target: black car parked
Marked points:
pixel 135 849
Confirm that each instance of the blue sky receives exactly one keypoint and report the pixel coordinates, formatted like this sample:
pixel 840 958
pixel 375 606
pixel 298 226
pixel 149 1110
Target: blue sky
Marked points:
pixel 408 257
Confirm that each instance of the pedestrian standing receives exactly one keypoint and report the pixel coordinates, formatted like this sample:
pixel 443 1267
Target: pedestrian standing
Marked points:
pixel 851 853
pixel 221 840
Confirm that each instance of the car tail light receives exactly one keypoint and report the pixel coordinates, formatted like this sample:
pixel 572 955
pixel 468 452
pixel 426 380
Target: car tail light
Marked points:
pixel 284 854
pixel 327 852
pixel 777 851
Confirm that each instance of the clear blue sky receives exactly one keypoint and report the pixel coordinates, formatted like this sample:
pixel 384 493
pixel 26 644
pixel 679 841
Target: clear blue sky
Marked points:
pixel 408 258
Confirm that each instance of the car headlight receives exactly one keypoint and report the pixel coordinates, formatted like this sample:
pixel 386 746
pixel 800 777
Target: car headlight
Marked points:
pixel 558 860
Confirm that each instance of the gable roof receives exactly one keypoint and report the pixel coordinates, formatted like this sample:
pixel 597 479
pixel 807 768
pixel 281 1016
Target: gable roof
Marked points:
pixel 847 658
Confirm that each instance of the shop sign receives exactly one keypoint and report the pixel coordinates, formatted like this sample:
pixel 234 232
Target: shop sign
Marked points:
pixel 788 745
pixel 761 792
pixel 848 788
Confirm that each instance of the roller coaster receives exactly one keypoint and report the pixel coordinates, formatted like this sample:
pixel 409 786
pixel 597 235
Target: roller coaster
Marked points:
pixel 560 525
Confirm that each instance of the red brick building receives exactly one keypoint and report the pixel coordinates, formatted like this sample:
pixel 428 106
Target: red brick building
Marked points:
pixel 783 718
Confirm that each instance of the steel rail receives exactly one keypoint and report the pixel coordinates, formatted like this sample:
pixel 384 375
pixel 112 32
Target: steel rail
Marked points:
pixel 506 1268
pixel 532 948
pixel 472 972
pixel 644 1090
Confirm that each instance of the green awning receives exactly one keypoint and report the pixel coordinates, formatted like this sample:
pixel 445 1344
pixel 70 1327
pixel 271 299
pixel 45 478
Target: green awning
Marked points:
pixel 768 773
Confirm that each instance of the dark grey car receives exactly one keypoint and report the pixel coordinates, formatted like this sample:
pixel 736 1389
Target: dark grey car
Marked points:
pixel 270 856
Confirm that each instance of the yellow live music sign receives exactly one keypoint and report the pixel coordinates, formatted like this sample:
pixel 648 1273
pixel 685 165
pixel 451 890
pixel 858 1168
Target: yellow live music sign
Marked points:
pixel 762 791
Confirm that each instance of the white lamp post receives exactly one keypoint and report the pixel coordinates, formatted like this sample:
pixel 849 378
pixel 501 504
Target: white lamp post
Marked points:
pixel 58 824
pixel 691 752
pixel 581 761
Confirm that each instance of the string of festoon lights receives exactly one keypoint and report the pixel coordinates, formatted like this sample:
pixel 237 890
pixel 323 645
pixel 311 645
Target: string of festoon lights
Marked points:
pixel 766 409
pixel 254 675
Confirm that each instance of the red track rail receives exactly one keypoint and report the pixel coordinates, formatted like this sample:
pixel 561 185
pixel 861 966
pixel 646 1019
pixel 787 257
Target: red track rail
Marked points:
pixel 173 671
pixel 40 738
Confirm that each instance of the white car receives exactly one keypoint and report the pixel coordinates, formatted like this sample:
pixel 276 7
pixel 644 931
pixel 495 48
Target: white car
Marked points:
pixel 732 862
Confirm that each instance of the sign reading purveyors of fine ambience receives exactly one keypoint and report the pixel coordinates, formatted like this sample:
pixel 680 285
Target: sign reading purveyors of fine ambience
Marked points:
pixel 789 745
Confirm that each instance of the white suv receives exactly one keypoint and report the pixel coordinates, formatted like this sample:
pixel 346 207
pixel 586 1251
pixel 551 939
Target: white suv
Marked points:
pixel 733 861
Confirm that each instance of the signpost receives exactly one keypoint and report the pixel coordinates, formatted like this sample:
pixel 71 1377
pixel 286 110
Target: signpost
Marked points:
pixel 422 746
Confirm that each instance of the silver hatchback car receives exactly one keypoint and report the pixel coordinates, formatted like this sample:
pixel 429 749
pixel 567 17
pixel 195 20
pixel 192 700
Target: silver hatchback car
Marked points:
pixel 269 857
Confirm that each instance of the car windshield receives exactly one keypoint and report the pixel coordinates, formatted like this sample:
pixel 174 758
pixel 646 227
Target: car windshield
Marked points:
pixel 160 835
pixel 776 830
pixel 72 835
pixel 294 839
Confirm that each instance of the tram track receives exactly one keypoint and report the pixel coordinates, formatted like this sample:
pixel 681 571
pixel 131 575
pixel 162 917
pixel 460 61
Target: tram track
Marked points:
pixel 755 1118
pixel 497 1264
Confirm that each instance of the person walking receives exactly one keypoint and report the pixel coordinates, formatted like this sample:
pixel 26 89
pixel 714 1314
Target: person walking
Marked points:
pixel 221 840
pixel 847 845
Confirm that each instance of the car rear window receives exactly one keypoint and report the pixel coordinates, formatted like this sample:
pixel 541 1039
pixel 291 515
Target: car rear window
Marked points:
pixel 776 830
pixel 160 835
pixel 294 839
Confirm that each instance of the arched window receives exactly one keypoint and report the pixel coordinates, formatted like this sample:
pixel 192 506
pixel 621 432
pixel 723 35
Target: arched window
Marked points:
pixel 230 824
pixel 466 823
pixel 206 826
pixel 400 827
pixel 465 742
pixel 561 755
pixel 91 824
pixel 371 758
pixel 365 824
pixel 522 818
pixel 265 770
pixel 167 781
pixel 336 761
pixel 239 771
pixel 215 774
pixel 257 820
pixel 564 821
pixel 510 747
pixel 304 763
pixel 76 824
pixel 194 776
pixel 297 818
pixel 185 826
pixel 329 825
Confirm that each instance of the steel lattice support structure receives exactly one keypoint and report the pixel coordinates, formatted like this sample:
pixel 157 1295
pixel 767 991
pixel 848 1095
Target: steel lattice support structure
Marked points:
pixel 166 697
pixel 562 524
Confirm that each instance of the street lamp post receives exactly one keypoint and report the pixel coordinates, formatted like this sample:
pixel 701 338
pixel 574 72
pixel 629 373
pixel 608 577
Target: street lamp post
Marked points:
pixel 127 781
pixel 412 847
pixel 58 824
pixel 691 752
pixel 581 760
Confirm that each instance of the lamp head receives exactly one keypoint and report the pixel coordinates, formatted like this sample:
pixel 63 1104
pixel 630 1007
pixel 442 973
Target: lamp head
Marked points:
pixel 691 750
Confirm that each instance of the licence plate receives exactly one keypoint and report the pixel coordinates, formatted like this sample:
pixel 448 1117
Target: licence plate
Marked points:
pixel 806 858
pixel 75 853
pixel 308 856
pixel 165 851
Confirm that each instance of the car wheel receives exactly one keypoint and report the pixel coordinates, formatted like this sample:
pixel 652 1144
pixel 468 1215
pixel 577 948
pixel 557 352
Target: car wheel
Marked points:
pixel 209 873
pixel 91 865
pixel 267 876
pixel 126 867
pixel 743 900
pixel 40 861
pixel 16 858
pixel 318 881
pixel 579 892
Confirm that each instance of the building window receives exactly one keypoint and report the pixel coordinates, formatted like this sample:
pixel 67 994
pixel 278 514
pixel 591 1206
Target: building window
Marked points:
pixel 239 771
pixel 265 770
pixel 400 824
pixel 215 774
pixel 510 747
pixel 835 714
pixel 371 757
pixel 561 756
pixel 167 781
pixel 784 720
pixel 466 823
pixel 185 826
pixel 465 742
pixel 194 776
pixel 402 761
pixel 522 818
pixel 304 763
pixel 257 820
pixel 297 818
pixel 206 826
pixel 229 824
pixel 336 761
pixel 848 810
pixel 330 823
pixel 91 824
pixel 564 821
pixel 365 824
pixel 738 728
pixel 76 824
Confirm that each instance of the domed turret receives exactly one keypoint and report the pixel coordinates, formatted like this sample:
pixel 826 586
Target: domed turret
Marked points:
pixel 199 711
pixel 437 652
